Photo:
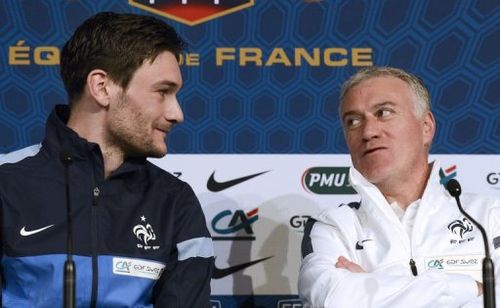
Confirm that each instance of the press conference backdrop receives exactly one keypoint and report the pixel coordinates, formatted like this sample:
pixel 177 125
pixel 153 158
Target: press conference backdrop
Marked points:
pixel 261 91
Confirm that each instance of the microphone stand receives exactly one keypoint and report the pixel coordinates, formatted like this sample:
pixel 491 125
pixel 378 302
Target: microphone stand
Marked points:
pixel 455 190
pixel 69 265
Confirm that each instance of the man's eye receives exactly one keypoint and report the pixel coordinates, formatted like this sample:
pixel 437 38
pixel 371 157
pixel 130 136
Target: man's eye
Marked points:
pixel 382 113
pixel 352 122
pixel 163 92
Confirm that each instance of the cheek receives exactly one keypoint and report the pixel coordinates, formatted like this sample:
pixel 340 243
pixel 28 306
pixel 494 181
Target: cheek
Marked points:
pixel 352 141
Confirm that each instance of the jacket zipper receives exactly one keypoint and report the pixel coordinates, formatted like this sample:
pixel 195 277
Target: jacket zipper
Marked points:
pixel 96 192
pixel 413 265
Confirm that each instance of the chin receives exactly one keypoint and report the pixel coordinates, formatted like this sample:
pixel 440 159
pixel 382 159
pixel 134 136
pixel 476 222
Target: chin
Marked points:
pixel 375 175
pixel 157 153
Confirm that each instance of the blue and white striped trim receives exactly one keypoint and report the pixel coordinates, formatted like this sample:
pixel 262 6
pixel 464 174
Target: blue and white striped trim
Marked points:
pixel 14 157
pixel 195 247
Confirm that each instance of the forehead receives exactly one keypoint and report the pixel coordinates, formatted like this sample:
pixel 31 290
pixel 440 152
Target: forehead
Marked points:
pixel 377 90
pixel 164 68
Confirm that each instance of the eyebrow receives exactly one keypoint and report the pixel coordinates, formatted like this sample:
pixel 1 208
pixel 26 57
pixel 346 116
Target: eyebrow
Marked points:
pixel 374 107
pixel 166 83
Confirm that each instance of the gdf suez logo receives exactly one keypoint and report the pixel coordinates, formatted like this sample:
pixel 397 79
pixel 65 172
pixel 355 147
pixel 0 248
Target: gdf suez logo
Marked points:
pixel 192 12
pixel 327 181
pixel 238 222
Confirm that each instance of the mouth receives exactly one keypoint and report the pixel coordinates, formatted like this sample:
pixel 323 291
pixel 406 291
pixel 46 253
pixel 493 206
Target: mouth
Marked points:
pixel 164 130
pixel 373 150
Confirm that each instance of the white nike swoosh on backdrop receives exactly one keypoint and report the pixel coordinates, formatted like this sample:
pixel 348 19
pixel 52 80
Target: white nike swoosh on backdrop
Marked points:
pixel 24 232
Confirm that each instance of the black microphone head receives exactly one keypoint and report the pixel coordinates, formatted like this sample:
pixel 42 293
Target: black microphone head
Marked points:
pixel 453 188
pixel 65 157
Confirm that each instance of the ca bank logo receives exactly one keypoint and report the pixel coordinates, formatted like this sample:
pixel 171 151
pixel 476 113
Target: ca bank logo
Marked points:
pixel 192 12
pixel 238 222
pixel 123 266
pixel 327 181
pixel 435 263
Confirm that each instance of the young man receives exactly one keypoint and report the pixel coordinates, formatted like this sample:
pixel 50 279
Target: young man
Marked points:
pixel 384 250
pixel 139 234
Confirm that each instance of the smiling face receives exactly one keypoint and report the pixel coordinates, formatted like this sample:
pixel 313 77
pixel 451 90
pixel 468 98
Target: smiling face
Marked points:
pixel 386 139
pixel 140 116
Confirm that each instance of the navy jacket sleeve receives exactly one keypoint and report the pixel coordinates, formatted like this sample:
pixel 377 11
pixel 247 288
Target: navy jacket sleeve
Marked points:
pixel 188 283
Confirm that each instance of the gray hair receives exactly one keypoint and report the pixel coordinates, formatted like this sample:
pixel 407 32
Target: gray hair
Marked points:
pixel 422 101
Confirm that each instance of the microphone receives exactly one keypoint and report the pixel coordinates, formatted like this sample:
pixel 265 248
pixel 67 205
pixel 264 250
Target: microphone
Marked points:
pixel 455 190
pixel 69 266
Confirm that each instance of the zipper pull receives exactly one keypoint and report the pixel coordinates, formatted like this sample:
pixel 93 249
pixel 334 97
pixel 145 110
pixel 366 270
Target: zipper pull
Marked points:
pixel 95 193
pixel 413 267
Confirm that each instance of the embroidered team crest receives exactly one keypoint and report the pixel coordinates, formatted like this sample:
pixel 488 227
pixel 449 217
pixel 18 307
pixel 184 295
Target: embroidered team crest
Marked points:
pixel 145 234
pixel 459 228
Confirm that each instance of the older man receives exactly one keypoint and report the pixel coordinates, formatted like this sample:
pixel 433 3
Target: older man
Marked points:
pixel 379 252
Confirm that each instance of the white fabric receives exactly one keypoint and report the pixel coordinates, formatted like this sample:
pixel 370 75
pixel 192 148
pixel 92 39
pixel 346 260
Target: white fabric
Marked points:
pixel 388 281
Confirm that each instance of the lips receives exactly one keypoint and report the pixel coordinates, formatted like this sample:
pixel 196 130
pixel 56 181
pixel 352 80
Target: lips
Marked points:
pixel 373 150
pixel 164 130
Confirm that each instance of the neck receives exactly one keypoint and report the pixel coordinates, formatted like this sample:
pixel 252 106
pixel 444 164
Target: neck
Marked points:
pixel 90 126
pixel 405 192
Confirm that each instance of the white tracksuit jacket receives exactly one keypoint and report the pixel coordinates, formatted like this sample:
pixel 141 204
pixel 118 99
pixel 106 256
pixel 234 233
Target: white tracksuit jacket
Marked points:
pixel 447 249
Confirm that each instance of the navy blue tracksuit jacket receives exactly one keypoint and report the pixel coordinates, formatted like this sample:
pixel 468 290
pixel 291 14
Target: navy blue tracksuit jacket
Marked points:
pixel 139 236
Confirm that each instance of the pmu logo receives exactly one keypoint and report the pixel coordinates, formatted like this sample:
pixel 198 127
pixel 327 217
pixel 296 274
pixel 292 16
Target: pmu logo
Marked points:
pixel 447 174
pixel 239 222
pixel 327 181
pixel 493 179
pixel 192 12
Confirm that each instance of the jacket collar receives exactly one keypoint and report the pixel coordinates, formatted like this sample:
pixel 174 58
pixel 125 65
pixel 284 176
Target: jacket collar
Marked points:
pixel 59 138
pixel 372 197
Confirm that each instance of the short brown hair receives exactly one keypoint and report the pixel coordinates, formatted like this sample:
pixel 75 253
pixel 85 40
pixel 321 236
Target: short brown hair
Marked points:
pixel 117 44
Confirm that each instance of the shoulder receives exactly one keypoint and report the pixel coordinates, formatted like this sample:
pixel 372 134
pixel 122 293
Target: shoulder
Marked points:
pixel 19 155
pixel 344 212
pixel 165 178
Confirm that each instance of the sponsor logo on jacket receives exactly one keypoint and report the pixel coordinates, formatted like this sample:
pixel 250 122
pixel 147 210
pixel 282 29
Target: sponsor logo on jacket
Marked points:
pixel 137 268
pixel 327 181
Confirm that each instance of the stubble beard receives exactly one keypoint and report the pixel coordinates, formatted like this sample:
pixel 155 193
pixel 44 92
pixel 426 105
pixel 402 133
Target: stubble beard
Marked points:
pixel 130 133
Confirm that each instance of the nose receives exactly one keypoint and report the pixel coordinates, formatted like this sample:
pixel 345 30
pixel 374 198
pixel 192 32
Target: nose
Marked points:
pixel 370 129
pixel 173 112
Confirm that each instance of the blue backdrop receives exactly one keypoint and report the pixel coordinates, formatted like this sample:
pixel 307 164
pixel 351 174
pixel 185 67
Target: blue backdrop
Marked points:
pixel 276 108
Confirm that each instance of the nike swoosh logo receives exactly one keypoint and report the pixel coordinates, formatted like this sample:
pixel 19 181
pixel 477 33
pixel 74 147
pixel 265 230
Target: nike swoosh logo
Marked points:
pixel 25 232
pixel 215 186
pixel 223 272
pixel 359 244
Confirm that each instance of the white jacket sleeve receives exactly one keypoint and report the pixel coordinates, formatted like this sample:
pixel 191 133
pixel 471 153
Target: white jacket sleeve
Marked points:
pixel 321 284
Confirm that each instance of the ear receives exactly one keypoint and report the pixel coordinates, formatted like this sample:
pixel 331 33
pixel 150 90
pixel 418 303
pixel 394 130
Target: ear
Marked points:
pixel 429 127
pixel 100 87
